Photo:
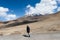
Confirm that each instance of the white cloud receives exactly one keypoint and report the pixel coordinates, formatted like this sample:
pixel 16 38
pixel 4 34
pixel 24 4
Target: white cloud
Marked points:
pixel 10 17
pixel 2 9
pixel 44 7
pixel 5 15
pixel 58 1
pixel 58 9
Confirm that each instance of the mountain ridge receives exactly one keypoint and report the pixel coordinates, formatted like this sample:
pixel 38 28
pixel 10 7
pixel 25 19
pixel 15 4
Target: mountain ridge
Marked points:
pixel 29 19
pixel 38 24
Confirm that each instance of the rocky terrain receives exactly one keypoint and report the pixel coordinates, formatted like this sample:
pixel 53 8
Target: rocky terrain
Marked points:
pixel 38 24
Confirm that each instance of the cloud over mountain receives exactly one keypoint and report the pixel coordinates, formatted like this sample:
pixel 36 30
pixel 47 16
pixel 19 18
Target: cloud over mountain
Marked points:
pixel 5 16
pixel 44 7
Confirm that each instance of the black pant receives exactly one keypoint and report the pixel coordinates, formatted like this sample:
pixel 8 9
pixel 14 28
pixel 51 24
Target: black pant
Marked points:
pixel 28 35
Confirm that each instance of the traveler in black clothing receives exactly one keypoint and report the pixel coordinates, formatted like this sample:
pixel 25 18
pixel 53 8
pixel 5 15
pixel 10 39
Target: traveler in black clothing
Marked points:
pixel 28 30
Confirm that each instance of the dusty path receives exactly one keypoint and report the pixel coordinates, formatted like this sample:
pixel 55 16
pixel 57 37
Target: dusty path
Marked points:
pixel 48 36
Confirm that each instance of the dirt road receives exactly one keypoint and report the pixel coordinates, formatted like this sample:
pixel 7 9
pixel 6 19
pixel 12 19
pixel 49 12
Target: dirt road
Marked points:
pixel 48 36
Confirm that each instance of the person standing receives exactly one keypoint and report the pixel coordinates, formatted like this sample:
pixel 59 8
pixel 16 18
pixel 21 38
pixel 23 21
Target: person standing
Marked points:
pixel 28 30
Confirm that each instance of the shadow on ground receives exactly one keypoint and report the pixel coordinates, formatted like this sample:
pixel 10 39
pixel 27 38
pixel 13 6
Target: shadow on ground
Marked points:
pixel 26 35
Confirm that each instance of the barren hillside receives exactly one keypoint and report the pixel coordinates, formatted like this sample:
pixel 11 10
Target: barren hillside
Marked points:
pixel 38 24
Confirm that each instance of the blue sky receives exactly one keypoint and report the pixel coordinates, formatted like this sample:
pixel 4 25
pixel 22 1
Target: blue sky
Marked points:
pixel 12 9
pixel 18 6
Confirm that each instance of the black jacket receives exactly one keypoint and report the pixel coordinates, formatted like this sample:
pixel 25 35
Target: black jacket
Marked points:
pixel 28 29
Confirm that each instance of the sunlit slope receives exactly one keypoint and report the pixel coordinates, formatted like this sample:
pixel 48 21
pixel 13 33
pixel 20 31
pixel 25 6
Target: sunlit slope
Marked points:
pixel 38 24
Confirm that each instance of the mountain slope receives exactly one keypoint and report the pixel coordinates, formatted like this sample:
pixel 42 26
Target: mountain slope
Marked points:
pixel 38 24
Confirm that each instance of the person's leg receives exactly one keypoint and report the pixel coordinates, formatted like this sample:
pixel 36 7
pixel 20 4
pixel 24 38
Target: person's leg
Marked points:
pixel 28 34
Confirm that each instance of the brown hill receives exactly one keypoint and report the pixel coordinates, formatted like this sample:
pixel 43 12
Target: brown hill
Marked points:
pixel 38 24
